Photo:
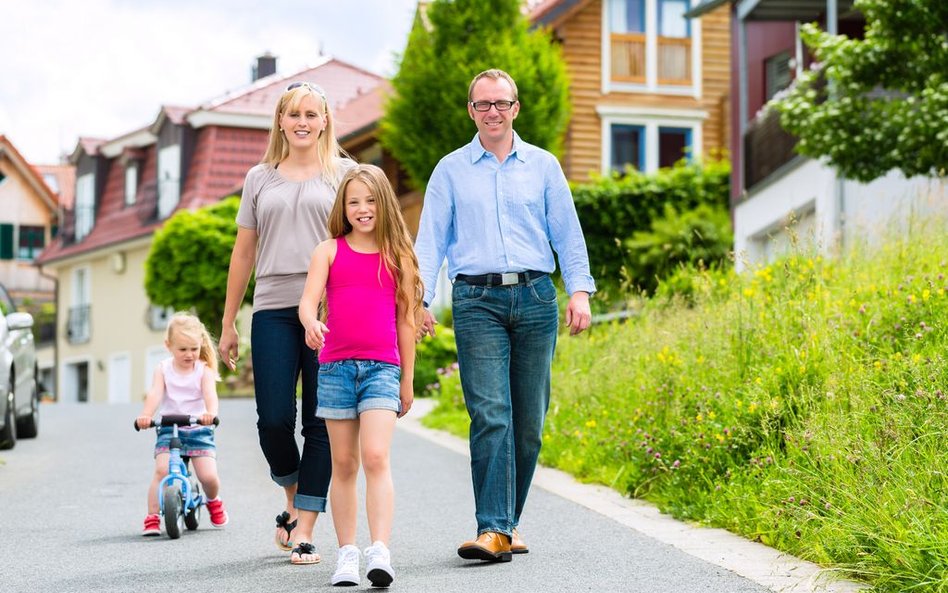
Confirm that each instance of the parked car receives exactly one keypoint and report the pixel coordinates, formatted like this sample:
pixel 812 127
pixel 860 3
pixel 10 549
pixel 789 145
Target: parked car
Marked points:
pixel 19 391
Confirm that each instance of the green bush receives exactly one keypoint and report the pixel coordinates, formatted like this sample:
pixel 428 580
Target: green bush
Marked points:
pixel 433 354
pixel 698 237
pixel 612 209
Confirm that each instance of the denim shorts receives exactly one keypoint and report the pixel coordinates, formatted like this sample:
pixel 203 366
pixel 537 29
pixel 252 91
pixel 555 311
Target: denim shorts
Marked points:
pixel 195 442
pixel 349 387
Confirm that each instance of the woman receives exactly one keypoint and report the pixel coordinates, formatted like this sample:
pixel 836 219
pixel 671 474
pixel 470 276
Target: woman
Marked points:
pixel 285 203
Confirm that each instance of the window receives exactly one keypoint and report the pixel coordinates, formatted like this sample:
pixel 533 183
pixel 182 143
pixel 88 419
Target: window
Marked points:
pixel 85 205
pixel 169 180
pixel 6 241
pixel 628 143
pixel 673 145
pixel 648 138
pixel 777 73
pixel 650 44
pixel 2 177
pixel 52 182
pixel 131 182
pixel 31 242
pixel 158 317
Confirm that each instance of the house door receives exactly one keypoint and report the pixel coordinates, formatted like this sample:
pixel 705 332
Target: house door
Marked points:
pixel 120 378
pixel 75 382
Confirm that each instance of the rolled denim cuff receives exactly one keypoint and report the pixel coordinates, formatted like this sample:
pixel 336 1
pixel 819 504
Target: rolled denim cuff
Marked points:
pixel 286 480
pixel 304 502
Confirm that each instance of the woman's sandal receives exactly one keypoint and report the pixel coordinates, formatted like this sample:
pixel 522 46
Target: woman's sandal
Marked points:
pixel 283 520
pixel 304 549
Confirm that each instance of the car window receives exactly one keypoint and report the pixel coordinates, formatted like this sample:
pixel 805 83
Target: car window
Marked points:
pixel 6 303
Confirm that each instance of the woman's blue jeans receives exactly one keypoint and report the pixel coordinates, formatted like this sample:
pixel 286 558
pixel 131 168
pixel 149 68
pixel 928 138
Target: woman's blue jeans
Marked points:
pixel 505 337
pixel 281 357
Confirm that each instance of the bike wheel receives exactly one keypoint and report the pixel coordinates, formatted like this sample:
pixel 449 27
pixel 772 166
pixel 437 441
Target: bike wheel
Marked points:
pixel 193 516
pixel 174 510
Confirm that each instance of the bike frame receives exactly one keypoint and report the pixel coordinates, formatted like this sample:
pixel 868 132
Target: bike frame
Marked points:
pixel 177 472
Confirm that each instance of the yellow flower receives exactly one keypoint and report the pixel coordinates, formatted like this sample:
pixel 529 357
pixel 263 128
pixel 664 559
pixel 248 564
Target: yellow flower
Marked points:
pixel 719 437
pixel 916 357
pixel 590 424
pixel 711 415
pixel 751 408
pixel 925 294
pixel 748 292
pixel 877 364
pixel 699 418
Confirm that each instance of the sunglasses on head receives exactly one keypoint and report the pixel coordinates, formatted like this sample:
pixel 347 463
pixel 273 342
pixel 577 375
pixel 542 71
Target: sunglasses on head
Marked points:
pixel 310 86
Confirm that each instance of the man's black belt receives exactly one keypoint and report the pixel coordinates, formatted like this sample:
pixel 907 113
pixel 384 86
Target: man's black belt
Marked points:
pixel 507 279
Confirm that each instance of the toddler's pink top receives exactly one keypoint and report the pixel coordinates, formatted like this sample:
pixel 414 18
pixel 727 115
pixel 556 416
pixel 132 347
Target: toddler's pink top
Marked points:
pixel 183 394
pixel 360 298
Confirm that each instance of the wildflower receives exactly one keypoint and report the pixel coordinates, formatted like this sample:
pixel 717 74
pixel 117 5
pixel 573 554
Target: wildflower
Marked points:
pixel 900 397
pixel 925 294
pixel 712 415
pixel 862 310
pixel 911 299
pixel 658 455
pixel 590 424
pixel 676 464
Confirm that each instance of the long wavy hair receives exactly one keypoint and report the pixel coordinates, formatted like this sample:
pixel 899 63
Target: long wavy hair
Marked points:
pixel 327 147
pixel 391 236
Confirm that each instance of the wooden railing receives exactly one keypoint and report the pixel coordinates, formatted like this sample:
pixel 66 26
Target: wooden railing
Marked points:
pixel 767 147
pixel 628 59
pixel 674 60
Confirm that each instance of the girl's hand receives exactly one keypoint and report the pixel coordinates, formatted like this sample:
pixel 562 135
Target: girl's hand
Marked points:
pixel 206 419
pixel 407 396
pixel 143 422
pixel 315 335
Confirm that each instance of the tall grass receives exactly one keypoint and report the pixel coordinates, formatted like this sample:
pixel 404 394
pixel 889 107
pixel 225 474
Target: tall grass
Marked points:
pixel 801 404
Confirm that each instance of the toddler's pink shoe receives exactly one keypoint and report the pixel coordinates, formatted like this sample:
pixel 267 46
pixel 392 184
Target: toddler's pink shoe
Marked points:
pixel 218 513
pixel 152 525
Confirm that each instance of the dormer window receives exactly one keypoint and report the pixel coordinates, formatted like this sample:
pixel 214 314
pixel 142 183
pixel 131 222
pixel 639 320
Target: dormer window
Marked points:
pixel 169 180
pixel 131 182
pixel 85 205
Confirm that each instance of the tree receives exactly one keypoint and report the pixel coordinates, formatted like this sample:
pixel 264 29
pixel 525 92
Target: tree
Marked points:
pixel 189 259
pixel 451 43
pixel 886 102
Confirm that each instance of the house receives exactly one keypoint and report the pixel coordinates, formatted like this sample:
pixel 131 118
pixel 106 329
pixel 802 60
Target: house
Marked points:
pixel 777 196
pixel 32 198
pixel 29 207
pixel 111 336
pixel 648 86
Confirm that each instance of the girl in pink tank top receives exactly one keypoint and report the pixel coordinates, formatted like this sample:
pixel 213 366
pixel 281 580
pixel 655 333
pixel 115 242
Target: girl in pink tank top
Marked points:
pixel 369 275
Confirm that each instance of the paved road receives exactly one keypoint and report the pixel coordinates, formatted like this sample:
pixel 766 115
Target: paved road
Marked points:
pixel 72 502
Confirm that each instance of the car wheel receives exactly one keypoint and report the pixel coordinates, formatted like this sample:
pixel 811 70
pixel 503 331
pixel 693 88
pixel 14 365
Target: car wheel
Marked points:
pixel 8 434
pixel 27 427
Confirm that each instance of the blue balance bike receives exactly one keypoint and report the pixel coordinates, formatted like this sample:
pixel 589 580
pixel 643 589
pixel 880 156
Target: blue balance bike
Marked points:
pixel 179 493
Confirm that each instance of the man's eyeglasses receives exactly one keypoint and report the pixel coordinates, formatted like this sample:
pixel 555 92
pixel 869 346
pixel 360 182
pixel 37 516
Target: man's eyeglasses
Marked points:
pixel 310 86
pixel 486 105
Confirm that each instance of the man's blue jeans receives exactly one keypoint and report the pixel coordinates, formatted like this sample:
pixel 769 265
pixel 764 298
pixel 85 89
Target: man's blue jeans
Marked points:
pixel 280 358
pixel 505 337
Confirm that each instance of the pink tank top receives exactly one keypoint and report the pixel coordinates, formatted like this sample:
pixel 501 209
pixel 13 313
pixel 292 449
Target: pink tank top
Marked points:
pixel 360 298
pixel 183 394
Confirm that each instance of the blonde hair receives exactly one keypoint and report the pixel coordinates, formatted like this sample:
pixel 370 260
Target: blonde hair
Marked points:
pixel 327 147
pixel 493 74
pixel 189 325
pixel 391 235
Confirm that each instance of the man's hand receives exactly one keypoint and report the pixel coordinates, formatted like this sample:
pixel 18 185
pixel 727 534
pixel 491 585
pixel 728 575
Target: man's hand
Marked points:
pixel 578 315
pixel 428 327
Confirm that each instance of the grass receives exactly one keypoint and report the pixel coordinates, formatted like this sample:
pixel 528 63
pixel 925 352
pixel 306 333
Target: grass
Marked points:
pixel 800 404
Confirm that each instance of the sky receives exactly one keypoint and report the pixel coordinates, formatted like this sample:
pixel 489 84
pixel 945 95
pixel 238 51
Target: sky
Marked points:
pixel 102 68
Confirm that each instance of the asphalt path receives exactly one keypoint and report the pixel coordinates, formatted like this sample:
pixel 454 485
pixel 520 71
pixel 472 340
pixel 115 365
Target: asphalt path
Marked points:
pixel 72 503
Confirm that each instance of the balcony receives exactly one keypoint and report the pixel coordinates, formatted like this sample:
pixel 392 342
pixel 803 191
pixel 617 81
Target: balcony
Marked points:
pixel 79 324
pixel 767 147
pixel 628 59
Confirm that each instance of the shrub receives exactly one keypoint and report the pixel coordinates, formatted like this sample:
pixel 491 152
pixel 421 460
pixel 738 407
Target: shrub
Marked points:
pixel 431 355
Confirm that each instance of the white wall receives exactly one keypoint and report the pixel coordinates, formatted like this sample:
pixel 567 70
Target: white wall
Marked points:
pixel 825 210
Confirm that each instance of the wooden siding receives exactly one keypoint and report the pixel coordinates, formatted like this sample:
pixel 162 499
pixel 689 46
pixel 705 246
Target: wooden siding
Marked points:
pixel 582 50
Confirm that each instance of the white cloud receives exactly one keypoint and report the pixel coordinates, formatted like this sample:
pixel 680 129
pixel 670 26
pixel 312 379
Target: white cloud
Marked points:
pixel 102 68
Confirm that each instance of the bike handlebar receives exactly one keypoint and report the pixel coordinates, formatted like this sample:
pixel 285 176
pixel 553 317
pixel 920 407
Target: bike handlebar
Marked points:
pixel 176 419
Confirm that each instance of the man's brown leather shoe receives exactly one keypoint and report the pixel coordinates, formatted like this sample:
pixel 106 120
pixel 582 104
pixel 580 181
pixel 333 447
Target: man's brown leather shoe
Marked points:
pixel 490 546
pixel 517 545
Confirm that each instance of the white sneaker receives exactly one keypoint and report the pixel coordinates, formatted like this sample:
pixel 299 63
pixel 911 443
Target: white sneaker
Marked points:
pixel 347 567
pixel 378 567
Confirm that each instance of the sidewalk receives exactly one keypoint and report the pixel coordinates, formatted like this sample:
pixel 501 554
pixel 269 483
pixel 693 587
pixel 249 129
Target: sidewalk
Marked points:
pixel 775 570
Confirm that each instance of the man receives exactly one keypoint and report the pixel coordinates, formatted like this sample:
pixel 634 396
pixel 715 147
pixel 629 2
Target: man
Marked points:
pixel 493 208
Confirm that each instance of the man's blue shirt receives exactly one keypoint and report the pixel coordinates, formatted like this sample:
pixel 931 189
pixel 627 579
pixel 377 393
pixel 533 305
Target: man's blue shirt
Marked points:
pixel 489 217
